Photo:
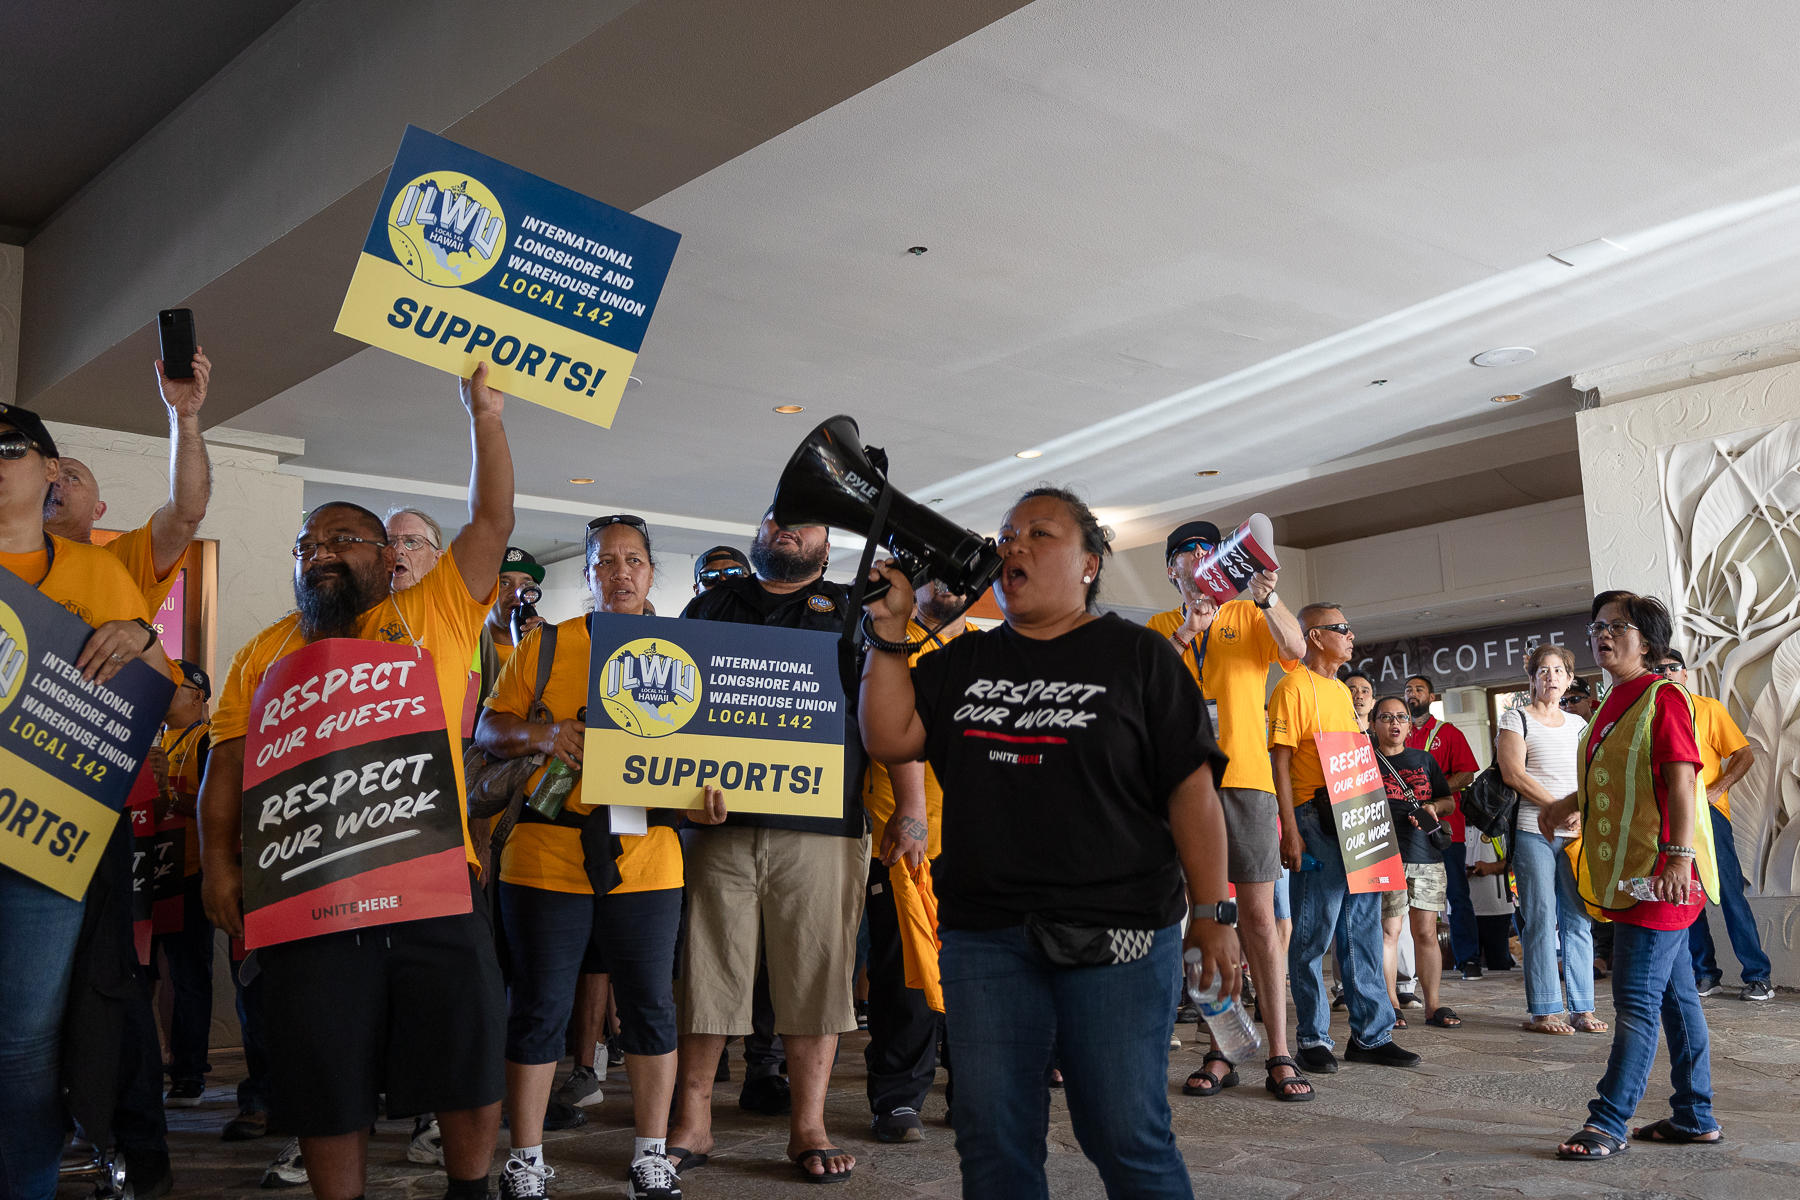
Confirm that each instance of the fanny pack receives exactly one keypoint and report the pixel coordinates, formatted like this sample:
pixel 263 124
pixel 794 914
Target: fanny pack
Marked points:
pixel 1067 945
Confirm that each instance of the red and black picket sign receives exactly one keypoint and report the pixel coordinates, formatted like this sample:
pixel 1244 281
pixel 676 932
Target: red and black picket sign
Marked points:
pixel 351 812
pixel 1359 813
pixel 140 807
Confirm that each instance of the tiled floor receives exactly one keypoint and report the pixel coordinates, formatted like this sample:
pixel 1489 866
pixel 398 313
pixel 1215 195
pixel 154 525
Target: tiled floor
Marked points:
pixel 1478 1120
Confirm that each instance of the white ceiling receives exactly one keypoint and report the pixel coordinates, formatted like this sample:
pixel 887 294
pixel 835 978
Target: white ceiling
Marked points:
pixel 1167 236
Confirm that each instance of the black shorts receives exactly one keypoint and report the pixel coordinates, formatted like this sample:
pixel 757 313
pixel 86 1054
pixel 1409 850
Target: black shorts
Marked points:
pixel 415 1010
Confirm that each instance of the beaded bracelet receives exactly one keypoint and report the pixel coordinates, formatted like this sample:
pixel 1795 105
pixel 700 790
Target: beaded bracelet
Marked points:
pixel 1674 851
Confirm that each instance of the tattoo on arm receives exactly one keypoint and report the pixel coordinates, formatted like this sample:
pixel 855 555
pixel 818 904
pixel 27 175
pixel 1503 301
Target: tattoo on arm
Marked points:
pixel 912 829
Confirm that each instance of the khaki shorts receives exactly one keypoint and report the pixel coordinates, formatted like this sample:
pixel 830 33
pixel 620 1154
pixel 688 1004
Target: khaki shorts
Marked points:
pixel 1427 887
pixel 1252 835
pixel 801 896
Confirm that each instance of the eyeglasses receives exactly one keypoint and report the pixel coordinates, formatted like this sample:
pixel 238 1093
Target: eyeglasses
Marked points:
pixel 599 523
pixel 1616 628
pixel 413 541
pixel 337 545
pixel 1393 718
pixel 713 575
pixel 1340 627
pixel 15 443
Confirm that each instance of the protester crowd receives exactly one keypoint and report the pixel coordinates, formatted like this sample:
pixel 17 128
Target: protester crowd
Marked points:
pixel 1028 898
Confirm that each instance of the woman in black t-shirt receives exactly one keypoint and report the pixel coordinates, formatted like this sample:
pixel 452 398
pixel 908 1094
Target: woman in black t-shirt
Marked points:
pixel 1079 775
pixel 1417 793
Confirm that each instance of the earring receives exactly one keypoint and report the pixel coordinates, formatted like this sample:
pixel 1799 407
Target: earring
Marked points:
pixel 1087 579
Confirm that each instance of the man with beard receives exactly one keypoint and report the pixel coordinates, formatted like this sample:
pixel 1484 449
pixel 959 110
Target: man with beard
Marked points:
pixel 1446 743
pixel 906 808
pixel 417 1012
pixel 153 552
pixel 797 880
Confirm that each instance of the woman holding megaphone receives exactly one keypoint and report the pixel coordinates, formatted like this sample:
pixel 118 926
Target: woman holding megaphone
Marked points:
pixel 1081 819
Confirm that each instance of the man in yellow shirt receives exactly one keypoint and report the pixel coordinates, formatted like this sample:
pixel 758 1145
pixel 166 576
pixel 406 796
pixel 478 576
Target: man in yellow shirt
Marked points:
pixel 1304 703
pixel 416 1008
pixel 152 553
pixel 906 809
pixel 1725 757
pixel 1229 649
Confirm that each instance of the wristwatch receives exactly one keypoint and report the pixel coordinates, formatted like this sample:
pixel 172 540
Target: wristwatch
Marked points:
pixel 1224 912
pixel 1267 603
pixel 149 629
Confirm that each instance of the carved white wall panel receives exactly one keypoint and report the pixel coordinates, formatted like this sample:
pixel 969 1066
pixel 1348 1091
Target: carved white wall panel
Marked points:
pixel 1731 520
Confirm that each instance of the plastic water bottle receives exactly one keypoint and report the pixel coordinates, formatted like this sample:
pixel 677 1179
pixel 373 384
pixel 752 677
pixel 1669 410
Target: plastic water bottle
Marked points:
pixel 1640 888
pixel 1234 1033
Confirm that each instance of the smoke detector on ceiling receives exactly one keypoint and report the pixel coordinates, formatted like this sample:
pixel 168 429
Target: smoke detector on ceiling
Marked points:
pixel 1505 356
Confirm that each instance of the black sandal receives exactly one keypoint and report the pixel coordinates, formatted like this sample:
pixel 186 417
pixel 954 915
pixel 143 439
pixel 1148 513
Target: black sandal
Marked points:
pixel 1591 1140
pixel 1279 1087
pixel 1667 1132
pixel 1202 1082
pixel 1444 1018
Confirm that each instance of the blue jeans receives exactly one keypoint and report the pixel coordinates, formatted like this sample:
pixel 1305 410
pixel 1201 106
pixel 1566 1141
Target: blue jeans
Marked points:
pixel 1549 906
pixel 1740 922
pixel 38 930
pixel 1465 935
pixel 1324 905
pixel 1009 1012
pixel 1651 980
pixel 253 1091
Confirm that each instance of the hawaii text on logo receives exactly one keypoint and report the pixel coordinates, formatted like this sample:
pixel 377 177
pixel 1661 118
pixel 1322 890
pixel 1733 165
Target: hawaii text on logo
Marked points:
pixel 446 229
pixel 652 687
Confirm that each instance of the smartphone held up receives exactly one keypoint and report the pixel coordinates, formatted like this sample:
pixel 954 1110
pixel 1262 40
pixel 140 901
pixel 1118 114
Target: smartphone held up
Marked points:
pixel 175 326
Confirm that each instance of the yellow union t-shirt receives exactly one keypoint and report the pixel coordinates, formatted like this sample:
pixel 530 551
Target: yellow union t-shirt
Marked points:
pixel 878 787
pixel 1719 739
pixel 550 857
pixel 136 551
pixel 1236 677
pixel 1304 704
pixel 438 611
pixel 185 771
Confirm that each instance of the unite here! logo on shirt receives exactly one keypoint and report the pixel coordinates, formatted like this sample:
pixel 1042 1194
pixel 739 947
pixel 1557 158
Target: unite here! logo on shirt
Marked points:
pixel 1040 705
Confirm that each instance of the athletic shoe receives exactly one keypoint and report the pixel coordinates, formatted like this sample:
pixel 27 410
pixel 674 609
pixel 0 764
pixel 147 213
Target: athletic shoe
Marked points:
pixel 1707 985
pixel 520 1180
pixel 427 1145
pixel 1337 997
pixel 901 1125
pixel 1317 1060
pixel 1385 1055
pixel 558 1115
pixel 1187 1014
pixel 653 1178
pixel 288 1170
pixel 615 1054
pixel 862 1014
pixel 247 1126
pixel 1410 1000
pixel 1174 1042
pixel 770 1096
pixel 1757 989
pixel 1470 969
pixel 581 1088
pixel 184 1093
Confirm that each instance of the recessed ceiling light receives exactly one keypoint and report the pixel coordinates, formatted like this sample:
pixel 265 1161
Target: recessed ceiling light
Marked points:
pixel 632 381
pixel 1427 612
pixel 1028 454
pixel 1505 356
pixel 1508 398
pixel 790 409
pixel 1529 604
pixel 1377 382
pixel 581 481
pixel 915 251
pixel 1206 472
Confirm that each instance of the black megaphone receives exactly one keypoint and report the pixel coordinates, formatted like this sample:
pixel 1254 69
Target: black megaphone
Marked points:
pixel 831 480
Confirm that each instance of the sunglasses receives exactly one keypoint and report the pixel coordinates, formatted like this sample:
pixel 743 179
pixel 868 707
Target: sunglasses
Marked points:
pixel 15 444
pixel 1190 544
pixel 714 574
pixel 1340 627
pixel 599 523
pixel 1667 669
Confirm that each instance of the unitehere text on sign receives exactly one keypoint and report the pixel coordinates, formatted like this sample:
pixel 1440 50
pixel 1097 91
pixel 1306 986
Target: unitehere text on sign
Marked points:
pixel 469 260
pixel 674 705
pixel 69 747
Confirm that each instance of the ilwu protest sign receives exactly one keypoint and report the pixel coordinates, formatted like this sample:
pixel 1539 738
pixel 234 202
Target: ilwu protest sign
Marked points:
pixel 351 813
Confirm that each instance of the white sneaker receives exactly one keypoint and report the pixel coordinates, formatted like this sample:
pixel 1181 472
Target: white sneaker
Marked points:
pixel 520 1180
pixel 288 1169
pixel 427 1146
pixel 653 1177
pixel 582 1087
pixel 1174 1042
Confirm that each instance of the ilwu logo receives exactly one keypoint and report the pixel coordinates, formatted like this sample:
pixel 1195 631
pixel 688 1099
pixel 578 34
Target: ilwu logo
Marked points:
pixel 446 228
pixel 651 688
pixel 14 652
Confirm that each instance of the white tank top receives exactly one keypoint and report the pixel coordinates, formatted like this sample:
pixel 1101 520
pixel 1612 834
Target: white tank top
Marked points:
pixel 1551 755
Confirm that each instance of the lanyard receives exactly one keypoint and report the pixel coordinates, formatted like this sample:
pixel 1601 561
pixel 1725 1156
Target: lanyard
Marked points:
pixel 1199 655
pixel 50 565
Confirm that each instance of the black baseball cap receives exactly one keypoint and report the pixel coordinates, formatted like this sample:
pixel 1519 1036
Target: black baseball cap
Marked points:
pixel 1206 531
pixel 32 426
pixel 194 675
pixel 731 552
pixel 522 562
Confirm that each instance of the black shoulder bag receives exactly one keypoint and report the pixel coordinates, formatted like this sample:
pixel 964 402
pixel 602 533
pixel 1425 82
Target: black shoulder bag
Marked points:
pixel 497 785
